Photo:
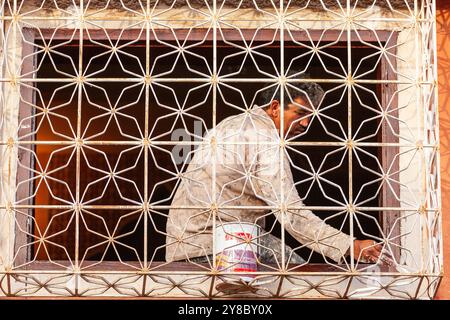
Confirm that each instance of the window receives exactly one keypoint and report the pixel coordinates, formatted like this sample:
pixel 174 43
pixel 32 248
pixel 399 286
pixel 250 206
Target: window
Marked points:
pixel 112 102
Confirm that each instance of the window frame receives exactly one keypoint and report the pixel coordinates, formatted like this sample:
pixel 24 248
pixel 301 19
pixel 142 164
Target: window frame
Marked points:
pixel 387 88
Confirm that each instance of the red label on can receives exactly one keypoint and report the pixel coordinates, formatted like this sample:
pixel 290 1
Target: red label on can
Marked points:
pixel 243 236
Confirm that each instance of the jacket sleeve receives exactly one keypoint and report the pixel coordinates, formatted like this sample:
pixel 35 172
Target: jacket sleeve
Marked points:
pixel 307 228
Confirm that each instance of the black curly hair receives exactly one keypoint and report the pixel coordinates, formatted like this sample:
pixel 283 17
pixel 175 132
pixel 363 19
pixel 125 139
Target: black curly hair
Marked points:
pixel 310 92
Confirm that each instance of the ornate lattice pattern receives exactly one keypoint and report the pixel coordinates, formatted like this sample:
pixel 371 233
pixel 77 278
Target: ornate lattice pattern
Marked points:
pixel 103 105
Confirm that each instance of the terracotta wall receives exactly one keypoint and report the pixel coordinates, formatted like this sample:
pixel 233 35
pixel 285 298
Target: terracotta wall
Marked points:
pixel 443 45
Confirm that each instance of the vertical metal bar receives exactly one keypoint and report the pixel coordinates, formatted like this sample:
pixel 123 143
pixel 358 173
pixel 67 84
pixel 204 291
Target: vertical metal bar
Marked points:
pixel 146 132
pixel 2 88
pixel 349 131
pixel 214 84
pixel 428 108
pixel 422 129
pixel 430 47
pixel 419 131
pixel 78 144
pixel 437 133
pixel 10 213
pixel 12 161
pixel 282 147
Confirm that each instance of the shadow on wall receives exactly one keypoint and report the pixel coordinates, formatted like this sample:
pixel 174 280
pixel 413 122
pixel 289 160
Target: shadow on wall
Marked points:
pixel 443 53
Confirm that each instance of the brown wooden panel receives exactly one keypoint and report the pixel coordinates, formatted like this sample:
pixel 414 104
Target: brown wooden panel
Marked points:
pixel 24 218
pixel 180 267
pixel 389 161
pixel 229 34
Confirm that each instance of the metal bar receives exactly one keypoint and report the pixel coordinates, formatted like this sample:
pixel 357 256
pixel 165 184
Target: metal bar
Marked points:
pixel 78 145
pixel 208 80
pixel 146 137
pixel 143 19
pixel 162 207
pixel 214 83
pixel 224 143
pixel 349 132
pixel 281 148
pixel 161 272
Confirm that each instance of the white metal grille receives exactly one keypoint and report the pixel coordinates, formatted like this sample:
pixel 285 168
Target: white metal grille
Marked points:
pixel 96 95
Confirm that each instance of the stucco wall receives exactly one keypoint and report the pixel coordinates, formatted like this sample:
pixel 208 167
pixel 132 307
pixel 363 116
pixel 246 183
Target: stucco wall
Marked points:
pixel 443 40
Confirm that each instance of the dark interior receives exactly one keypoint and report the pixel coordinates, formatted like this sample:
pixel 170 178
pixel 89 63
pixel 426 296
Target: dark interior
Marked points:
pixel 132 223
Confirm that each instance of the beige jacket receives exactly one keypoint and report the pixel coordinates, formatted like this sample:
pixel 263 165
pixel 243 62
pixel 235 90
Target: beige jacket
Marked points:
pixel 250 172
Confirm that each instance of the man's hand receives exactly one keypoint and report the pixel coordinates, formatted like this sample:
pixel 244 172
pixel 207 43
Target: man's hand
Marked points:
pixel 366 249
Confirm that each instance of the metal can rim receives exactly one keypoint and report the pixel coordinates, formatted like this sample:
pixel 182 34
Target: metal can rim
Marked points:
pixel 239 223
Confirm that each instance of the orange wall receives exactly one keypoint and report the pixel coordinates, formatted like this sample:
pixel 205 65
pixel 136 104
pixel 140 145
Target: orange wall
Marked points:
pixel 443 45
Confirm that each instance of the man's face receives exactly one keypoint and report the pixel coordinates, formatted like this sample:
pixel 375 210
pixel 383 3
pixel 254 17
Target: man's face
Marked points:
pixel 296 116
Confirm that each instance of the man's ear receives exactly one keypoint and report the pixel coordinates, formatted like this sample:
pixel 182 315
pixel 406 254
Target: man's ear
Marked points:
pixel 274 108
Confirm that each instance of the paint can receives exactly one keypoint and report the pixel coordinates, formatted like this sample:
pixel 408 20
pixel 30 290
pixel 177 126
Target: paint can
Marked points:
pixel 237 248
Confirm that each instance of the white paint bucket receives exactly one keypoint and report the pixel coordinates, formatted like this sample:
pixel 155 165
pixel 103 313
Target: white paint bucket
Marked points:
pixel 237 248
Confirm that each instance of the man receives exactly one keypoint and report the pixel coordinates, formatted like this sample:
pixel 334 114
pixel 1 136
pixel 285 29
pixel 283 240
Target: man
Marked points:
pixel 244 164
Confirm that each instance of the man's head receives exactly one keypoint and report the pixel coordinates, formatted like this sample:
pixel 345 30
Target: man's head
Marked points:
pixel 297 106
